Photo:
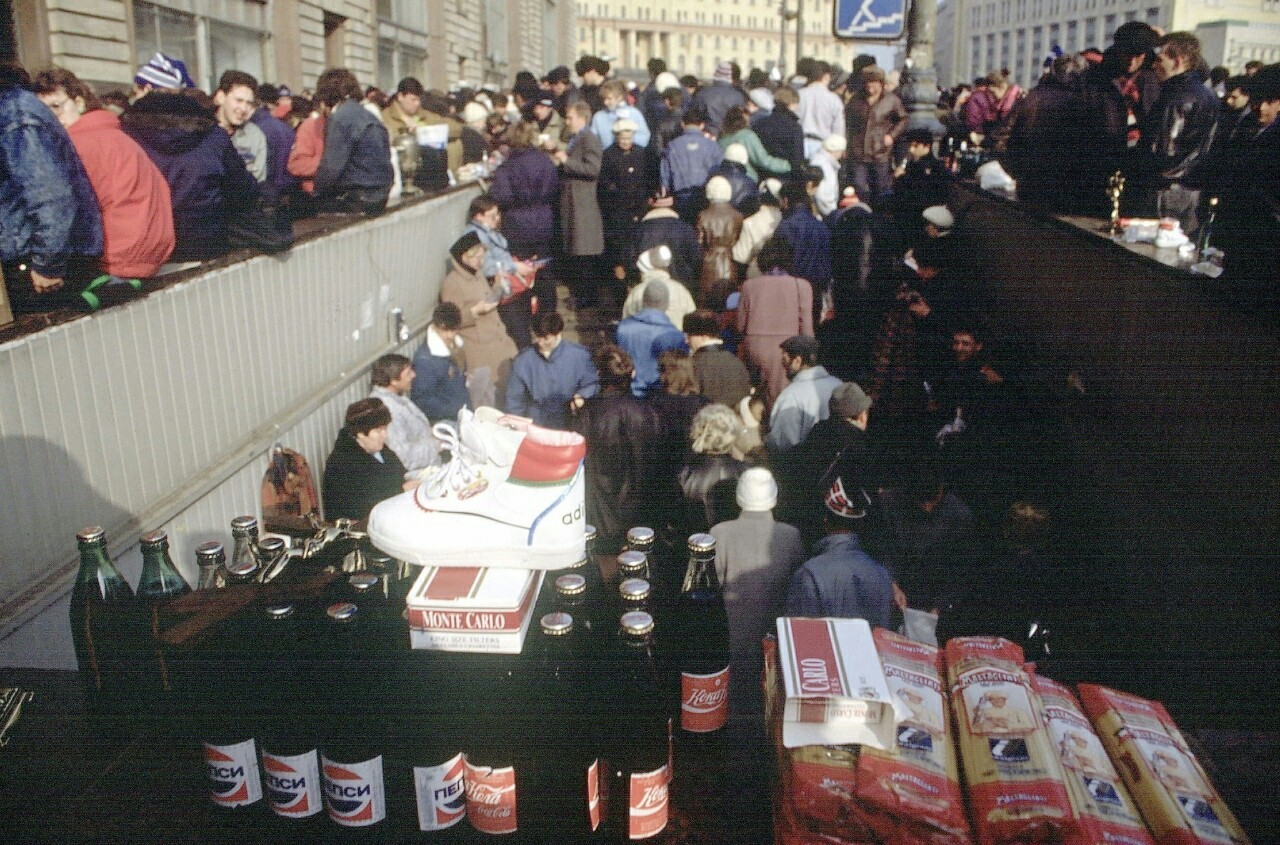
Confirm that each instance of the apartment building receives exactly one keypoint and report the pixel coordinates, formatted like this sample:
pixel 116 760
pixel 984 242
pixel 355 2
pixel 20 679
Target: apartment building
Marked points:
pixel 442 42
pixel 694 36
pixel 977 36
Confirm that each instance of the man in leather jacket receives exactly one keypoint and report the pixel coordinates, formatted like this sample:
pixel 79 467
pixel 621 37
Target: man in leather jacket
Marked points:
pixel 1177 133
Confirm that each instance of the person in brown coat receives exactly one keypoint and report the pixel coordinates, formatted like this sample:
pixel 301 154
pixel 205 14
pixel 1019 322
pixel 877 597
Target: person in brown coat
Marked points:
pixel 487 348
pixel 773 307
pixel 580 218
pixel 873 121
pixel 719 226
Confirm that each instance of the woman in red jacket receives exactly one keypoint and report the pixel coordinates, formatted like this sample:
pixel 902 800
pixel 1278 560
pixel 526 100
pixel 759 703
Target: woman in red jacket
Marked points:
pixel 137 212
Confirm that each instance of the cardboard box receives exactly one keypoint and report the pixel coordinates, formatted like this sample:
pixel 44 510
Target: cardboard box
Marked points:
pixel 472 609
pixel 836 693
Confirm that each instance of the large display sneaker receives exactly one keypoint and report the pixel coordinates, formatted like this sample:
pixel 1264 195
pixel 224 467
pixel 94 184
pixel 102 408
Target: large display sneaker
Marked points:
pixel 511 495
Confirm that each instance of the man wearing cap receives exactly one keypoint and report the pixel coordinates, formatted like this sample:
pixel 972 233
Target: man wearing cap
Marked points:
pixel 828 158
pixel 654 265
pixel 836 446
pixel 161 73
pixel 760 105
pixel 843 581
pixel 804 401
pixel 550 123
pixel 661 226
pixel 362 470
pixel 923 181
pixel 282 105
pixel 559 85
pixel 279 137
pixel 874 119
pixel 647 335
pixel 613 98
pixel 821 112
pixel 755 556
pixel 720 96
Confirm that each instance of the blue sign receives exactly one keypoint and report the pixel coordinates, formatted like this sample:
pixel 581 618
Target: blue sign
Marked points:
pixel 871 20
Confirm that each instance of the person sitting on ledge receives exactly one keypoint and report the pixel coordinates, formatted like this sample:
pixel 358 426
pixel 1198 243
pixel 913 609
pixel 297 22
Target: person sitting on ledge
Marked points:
pixel 361 470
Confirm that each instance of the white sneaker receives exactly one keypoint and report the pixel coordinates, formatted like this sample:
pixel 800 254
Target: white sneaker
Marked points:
pixel 511 496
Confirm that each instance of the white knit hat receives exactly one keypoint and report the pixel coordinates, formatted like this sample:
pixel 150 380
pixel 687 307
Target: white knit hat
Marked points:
pixel 757 491
pixel 719 189
pixel 736 153
pixel 654 258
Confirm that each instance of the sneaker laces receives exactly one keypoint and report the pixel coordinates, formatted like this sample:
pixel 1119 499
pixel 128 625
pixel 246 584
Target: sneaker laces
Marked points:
pixel 464 457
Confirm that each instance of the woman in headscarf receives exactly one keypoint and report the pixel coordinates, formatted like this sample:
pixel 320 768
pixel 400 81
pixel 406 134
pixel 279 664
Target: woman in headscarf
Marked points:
pixel 487 349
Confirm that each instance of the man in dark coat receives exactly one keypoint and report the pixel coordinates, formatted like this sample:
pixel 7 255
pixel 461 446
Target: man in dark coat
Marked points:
pixel 355 172
pixel 809 238
pixel 361 470
pixel 780 132
pixel 1046 145
pixel 580 219
pixel 661 225
pixel 721 95
pixel 440 389
pixel 623 434
pixel 1177 135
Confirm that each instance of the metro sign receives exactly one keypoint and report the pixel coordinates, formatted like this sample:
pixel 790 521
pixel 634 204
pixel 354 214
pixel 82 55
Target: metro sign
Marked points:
pixel 871 20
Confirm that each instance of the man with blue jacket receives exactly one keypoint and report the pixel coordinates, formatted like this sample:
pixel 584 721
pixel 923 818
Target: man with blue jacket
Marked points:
pixel 647 335
pixel 50 226
pixel 551 375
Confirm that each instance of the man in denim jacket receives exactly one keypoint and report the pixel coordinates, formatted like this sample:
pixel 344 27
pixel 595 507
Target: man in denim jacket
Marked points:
pixel 50 226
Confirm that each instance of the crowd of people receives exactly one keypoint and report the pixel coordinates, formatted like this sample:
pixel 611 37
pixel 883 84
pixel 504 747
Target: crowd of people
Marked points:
pixel 797 358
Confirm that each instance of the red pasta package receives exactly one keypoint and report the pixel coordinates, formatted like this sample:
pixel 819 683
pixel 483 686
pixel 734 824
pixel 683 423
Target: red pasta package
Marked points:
pixel 1180 805
pixel 1014 777
pixel 1105 813
pixel 916 783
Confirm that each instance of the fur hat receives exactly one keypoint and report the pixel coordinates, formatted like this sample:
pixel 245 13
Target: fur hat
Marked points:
pixel 664 81
pixel 366 414
pixel 757 490
pixel 463 245
pixel 473 112
pixel 624 125
pixel 940 216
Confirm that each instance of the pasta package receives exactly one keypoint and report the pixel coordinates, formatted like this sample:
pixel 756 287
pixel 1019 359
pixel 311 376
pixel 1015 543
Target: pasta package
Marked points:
pixel 1105 814
pixel 1180 805
pixel 1016 785
pixel 917 781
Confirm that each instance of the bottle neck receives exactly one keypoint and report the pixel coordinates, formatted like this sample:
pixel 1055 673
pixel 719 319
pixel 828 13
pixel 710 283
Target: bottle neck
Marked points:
pixel 701 573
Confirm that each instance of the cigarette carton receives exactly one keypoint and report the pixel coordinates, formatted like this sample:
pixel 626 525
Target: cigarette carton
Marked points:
pixel 472 609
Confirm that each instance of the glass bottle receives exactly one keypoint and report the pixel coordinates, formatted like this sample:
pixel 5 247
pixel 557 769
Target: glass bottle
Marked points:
pixel 101 612
pixel 212 561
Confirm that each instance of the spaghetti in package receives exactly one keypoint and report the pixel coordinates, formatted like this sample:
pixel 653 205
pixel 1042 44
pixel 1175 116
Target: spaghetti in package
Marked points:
pixel 916 782
pixel 1180 805
pixel 1105 814
pixel 1015 781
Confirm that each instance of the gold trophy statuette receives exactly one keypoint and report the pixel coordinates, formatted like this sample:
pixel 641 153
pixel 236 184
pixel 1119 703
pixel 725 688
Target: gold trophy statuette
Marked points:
pixel 1115 189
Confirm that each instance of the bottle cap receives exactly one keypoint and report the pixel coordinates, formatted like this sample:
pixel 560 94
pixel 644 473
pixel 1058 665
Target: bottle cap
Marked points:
pixel 571 585
pixel 279 611
pixel 557 624
pixel 590 532
pixel 636 623
pixel 362 581
pixel 92 534
pixel 242 570
pixel 271 546
pixel 640 536
pixel 631 562
pixel 210 552
pixel 634 589
pixel 342 611
pixel 702 543
pixel 578 564
pixel 154 538
pixel 244 524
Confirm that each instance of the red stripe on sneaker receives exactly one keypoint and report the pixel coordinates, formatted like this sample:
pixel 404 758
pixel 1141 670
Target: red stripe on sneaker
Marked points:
pixel 537 463
pixel 452 582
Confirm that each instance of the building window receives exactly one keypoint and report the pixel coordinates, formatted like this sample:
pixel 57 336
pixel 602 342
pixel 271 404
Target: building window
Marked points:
pixel 160 30
pixel 1073 37
pixel 1153 13
pixel 1091 32
pixel 975 55
pixel 1109 27
pixel 235 48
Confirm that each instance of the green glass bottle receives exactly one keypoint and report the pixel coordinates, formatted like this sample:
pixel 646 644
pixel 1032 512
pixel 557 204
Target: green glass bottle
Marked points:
pixel 160 583
pixel 102 615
